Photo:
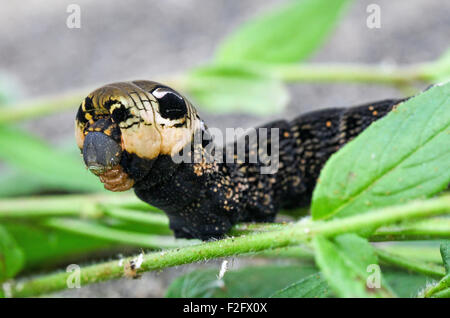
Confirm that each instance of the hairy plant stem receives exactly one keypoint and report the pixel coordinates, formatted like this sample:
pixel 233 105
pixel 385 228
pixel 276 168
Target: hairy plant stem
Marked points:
pixel 54 210
pixel 290 235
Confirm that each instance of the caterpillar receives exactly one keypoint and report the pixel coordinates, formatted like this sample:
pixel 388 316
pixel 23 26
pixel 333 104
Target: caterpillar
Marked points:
pixel 130 134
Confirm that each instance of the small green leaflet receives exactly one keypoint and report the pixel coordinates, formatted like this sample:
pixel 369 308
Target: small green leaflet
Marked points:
pixel 11 256
pixel 254 281
pixel 445 253
pixel 312 286
pixel 404 283
pixel 39 160
pixel 286 35
pixel 442 288
pixel 350 265
pixel 221 89
pixel 401 157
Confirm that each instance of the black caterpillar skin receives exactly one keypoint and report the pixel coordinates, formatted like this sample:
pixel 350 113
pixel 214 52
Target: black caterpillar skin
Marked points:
pixel 205 199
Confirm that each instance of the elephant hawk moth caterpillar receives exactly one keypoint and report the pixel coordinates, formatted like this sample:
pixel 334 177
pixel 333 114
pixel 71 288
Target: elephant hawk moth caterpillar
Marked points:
pixel 130 132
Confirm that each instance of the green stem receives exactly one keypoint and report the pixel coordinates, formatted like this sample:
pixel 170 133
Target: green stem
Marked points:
pixel 124 207
pixel 247 228
pixel 347 73
pixel 37 107
pixel 130 215
pixel 302 252
pixel 445 293
pixel 45 207
pixel 430 269
pixel 427 254
pixel 68 205
pixel 291 235
pixel 437 228
pixel 106 233
pixel 40 107
pixel 337 72
pixel 442 286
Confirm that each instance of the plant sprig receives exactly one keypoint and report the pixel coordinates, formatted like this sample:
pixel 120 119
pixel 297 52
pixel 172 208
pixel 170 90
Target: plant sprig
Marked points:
pixel 290 235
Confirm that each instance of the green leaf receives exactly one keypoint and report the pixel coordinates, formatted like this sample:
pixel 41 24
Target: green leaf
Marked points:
pixel 288 34
pixel 11 256
pixel 37 159
pixel 442 288
pixel 403 156
pixel 224 89
pixel 445 253
pixel 258 281
pixel 445 293
pixel 43 246
pixel 406 284
pixel 312 286
pixel 349 263
pixel 21 183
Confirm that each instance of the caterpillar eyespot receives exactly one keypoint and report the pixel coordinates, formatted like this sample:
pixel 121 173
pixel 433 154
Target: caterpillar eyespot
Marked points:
pixel 131 134
pixel 171 105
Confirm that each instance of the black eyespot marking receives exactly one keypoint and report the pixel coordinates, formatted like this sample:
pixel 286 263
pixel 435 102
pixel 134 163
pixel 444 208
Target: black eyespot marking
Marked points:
pixel 109 103
pixel 120 114
pixel 88 105
pixel 80 116
pixel 171 105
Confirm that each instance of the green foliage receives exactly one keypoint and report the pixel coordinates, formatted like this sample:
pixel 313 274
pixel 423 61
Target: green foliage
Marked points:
pixel 312 286
pixel 286 35
pixel 39 160
pixel 442 288
pixel 404 156
pixel 405 284
pixel 222 89
pixel 260 281
pixel 445 252
pixel 43 246
pixel 15 182
pixel 11 256
pixel 346 264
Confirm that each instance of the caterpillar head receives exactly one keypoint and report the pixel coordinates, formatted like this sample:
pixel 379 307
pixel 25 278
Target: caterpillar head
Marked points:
pixel 140 118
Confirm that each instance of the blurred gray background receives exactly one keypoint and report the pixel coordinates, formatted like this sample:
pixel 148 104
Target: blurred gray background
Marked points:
pixel 123 40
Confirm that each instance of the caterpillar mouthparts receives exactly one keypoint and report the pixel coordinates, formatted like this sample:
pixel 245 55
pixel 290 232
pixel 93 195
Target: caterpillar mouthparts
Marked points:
pixel 100 152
